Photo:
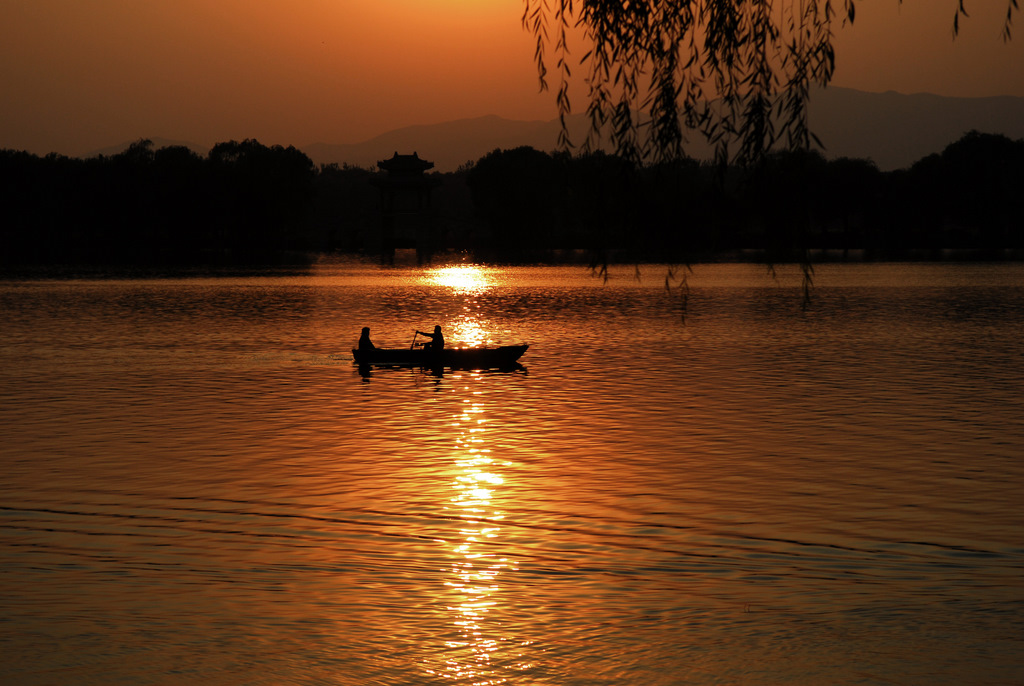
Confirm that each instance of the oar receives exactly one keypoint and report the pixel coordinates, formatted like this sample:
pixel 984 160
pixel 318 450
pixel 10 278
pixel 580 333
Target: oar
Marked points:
pixel 413 344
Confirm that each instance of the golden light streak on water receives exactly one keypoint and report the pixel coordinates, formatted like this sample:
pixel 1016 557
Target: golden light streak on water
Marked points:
pixel 468 281
pixel 472 593
pixel 468 332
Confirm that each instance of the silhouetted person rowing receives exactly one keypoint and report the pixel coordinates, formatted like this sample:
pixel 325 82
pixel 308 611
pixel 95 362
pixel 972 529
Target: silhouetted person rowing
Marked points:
pixel 364 340
pixel 437 339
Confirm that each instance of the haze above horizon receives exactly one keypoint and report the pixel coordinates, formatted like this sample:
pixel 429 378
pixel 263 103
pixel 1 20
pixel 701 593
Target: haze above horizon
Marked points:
pixel 81 76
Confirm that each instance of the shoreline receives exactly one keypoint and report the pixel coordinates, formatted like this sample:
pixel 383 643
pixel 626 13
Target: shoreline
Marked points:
pixel 302 264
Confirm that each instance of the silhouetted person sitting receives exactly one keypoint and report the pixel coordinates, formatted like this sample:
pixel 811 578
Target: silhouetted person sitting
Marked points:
pixel 364 340
pixel 437 339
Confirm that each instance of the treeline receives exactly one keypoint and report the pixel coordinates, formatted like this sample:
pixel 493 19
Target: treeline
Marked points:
pixel 243 203
pixel 969 196
pixel 246 203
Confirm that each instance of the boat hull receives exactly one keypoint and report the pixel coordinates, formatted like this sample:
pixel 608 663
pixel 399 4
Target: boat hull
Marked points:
pixel 456 358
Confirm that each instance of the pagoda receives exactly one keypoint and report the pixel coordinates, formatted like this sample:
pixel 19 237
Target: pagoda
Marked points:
pixel 405 205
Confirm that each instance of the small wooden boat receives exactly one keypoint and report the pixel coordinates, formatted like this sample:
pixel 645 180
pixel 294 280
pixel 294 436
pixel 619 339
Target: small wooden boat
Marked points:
pixel 502 357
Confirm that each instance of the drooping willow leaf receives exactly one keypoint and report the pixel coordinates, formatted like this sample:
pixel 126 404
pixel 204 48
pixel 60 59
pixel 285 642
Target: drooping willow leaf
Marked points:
pixel 737 72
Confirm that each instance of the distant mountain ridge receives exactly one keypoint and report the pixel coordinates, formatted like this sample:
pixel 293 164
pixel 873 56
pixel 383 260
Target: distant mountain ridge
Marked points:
pixel 893 129
pixel 896 130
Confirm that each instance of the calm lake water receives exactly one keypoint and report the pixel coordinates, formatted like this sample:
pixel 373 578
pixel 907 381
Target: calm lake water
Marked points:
pixel 198 487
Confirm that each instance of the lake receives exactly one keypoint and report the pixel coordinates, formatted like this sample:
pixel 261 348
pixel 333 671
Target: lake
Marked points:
pixel 198 486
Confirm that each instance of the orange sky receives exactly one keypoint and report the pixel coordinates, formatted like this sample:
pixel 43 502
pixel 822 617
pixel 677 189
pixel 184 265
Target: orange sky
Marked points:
pixel 78 75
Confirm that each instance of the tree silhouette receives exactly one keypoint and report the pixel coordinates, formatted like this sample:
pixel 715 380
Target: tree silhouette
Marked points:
pixel 264 192
pixel 736 71
pixel 970 192
pixel 517 192
pixel 248 204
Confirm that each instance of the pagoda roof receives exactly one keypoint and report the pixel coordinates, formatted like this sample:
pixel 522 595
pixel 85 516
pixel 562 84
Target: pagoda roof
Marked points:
pixel 405 164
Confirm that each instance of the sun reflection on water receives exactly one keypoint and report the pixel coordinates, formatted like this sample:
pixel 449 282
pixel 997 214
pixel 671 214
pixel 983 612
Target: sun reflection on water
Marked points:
pixel 467 281
pixel 463 278
pixel 472 589
pixel 467 331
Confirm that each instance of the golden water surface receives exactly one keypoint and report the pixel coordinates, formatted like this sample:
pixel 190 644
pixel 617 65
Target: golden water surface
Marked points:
pixel 198 486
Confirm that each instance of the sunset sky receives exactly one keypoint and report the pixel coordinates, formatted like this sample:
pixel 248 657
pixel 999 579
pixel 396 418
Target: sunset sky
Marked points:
pixel 79 75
